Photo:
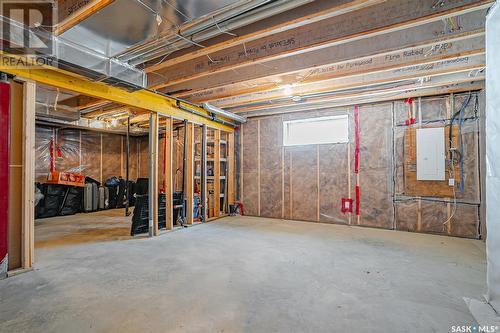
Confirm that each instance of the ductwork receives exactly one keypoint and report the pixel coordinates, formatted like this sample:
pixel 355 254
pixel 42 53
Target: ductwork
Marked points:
pixel 73 57
pixel 210 27
pixel 215 110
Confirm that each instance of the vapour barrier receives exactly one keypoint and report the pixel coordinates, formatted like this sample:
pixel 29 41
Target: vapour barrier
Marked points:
pixel 309 182
pixel 96 155
pixel 493 155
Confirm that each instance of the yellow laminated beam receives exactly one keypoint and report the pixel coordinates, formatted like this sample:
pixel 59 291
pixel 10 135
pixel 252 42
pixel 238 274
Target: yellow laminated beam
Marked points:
pixel 143 99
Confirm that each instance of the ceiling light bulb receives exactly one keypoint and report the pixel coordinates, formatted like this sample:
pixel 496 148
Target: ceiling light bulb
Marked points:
pixel 287 89
pixel 114 122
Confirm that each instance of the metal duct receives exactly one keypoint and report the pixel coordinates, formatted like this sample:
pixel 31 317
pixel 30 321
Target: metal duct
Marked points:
pixel 135 54
pixel 75 57
pixel 229 21
pixel 213 109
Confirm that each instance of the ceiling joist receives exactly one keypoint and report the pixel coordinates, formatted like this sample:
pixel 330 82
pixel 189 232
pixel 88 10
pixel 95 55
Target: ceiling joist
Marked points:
pixel 376 20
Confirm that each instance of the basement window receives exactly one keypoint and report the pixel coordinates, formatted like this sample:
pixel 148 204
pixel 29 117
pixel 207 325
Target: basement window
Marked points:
pixel 316 131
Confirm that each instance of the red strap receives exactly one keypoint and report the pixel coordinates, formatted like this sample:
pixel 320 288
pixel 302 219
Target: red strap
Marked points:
pixel 357 200
pixel 356 130
pixel 52 155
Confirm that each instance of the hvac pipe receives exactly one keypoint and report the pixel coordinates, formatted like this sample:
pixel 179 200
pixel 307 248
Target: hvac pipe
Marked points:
pixel 175 43
pixel 213 109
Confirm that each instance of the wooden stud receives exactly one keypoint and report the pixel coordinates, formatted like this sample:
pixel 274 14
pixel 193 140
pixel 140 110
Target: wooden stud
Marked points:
pixel 349 214
pixel 231 176
pixel 258 167
pixel 282 181
pixel 291 185
pixel 153 174
pixel 28 192
pixel 217 173
pixel 167 172
pixel 242 169
pixel 318 188
pixel 419 214
pixel 189 173
pixel 100 157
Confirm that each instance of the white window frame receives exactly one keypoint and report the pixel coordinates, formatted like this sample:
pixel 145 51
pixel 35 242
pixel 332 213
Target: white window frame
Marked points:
pixel 317 119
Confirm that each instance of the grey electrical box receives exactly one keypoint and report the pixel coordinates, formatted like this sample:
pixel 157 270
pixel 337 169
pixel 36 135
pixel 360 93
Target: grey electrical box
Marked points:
pixel 431 156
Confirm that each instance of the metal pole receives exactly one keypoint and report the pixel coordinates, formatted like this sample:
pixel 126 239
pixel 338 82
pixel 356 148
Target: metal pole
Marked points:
pixel 203 178
pixel 127 200
pixel 150 178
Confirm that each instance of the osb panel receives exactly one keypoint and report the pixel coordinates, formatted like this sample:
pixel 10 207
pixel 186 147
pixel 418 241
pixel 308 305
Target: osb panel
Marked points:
pixel 304 183
pixel 425 187
pixel 68 141
pixel 91 154
pixel 43 136
pixel 271 167
pixel 333 182
pixel 406 215
pixel 111 155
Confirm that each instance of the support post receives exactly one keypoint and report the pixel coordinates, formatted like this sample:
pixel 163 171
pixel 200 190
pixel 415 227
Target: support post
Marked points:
pixel 231 170
pixel 216 195
pixel 127 171
pixel 153 175
pixel 203 174
pixel 189 173
pixel 167 171
pixel 28 214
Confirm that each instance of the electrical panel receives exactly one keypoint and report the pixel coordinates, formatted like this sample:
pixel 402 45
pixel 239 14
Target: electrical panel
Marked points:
pixel 431 156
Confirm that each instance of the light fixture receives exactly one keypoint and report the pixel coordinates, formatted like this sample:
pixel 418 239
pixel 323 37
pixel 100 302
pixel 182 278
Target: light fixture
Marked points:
pixel 287 89
pixel 114 122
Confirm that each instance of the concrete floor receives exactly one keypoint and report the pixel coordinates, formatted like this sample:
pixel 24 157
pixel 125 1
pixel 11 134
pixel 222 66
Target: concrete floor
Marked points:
pixel 94 227
pixel 243 274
